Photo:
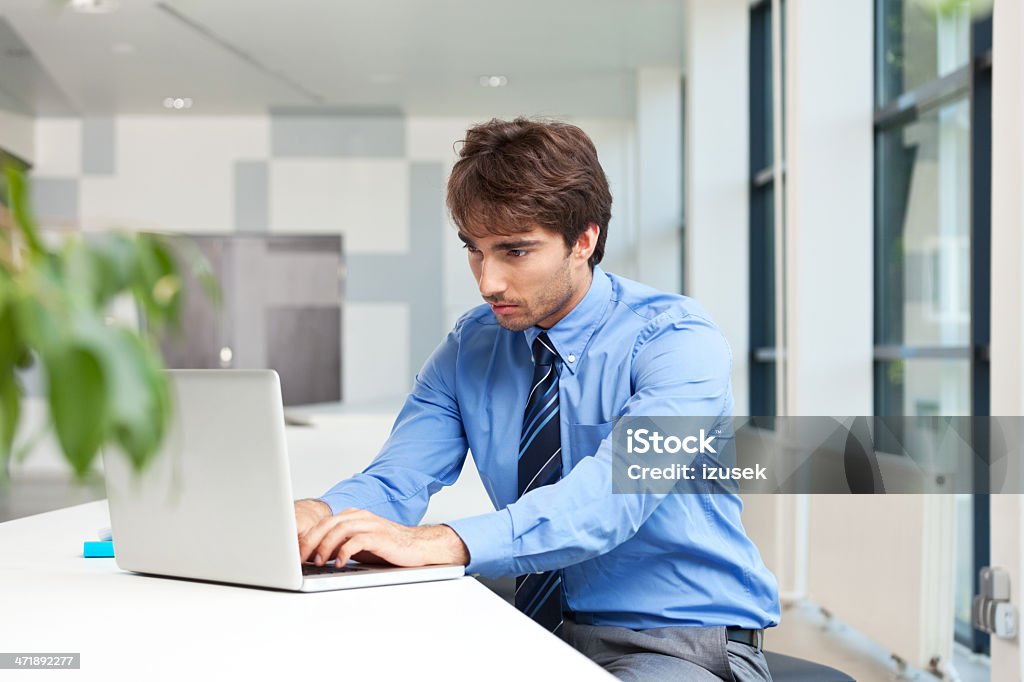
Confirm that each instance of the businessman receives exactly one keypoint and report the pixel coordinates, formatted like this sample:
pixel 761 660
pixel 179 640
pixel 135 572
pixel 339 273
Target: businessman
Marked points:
pixel 651 587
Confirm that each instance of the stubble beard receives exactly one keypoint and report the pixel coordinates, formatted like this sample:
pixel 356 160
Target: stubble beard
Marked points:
pixel 557 294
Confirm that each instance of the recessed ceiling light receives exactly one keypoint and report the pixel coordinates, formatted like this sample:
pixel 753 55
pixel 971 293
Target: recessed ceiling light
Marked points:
pixel 93 6
pixel 493 81
pixel 177 102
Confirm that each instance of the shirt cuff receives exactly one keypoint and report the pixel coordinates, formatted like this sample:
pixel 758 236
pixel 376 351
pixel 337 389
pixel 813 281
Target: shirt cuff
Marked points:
pixel 488 537
pixel 339 502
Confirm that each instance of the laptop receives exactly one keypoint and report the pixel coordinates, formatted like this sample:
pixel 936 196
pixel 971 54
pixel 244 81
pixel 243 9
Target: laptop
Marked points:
pixel 216 504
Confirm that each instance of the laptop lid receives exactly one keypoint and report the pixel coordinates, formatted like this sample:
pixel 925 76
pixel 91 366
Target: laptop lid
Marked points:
pixel 216 503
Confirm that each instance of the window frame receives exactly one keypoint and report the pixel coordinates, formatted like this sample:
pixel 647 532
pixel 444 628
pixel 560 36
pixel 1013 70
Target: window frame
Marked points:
pixel 972 82
pixel 763 354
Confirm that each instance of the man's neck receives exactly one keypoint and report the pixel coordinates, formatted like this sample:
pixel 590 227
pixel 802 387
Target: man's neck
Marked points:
pixel 579 295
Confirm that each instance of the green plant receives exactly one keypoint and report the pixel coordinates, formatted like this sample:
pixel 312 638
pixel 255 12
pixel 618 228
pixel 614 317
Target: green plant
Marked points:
pixel 950 8
pixel 104 381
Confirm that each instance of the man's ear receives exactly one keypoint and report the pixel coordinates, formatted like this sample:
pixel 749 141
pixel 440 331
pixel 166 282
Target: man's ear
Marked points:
pixel 587 241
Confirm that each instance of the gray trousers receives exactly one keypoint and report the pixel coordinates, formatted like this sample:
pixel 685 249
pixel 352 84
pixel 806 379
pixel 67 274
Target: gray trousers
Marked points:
pixel 671 653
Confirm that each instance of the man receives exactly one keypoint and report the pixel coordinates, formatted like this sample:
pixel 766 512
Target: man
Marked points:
pixel 649 586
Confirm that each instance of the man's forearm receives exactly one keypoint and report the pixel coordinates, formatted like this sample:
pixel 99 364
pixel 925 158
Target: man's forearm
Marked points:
pixel 453 550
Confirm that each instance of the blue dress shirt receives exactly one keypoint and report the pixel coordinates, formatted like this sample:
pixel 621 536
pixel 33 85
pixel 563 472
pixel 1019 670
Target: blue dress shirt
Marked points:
pixel 631 560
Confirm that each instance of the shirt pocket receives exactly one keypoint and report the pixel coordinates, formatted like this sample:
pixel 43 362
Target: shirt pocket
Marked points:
pixel 585 439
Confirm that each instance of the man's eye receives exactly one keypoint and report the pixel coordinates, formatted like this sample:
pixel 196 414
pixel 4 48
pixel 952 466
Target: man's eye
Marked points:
pixel 517 253
pixel 469 248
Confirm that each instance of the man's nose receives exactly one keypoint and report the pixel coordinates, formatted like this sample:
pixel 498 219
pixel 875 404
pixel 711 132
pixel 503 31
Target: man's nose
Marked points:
pixel 492 280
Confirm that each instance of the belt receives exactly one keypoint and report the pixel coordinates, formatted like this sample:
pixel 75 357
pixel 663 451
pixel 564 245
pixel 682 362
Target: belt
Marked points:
pixel 754 638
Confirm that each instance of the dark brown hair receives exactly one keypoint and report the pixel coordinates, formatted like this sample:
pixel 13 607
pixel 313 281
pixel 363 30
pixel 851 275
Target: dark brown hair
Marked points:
pixel 514 175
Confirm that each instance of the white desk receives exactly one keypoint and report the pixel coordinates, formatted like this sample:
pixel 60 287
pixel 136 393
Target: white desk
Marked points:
pixel 127 626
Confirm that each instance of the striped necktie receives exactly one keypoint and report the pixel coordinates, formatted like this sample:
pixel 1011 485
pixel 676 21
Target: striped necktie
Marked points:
pixel 539 595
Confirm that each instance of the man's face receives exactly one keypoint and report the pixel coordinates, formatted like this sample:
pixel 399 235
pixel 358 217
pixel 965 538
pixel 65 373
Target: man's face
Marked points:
pixel 529 278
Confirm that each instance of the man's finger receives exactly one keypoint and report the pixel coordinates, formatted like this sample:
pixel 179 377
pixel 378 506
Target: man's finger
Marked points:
pixel 342 531
pixel 312 537
pixel 352 547
pixel 315 535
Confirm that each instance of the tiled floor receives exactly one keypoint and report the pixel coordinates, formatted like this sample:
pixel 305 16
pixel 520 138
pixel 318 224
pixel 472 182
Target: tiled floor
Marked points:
pixel 805 631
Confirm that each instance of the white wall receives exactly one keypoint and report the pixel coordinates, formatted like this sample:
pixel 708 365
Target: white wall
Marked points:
pixel 829 234
pixel 17 135
pixel 717 173
pixel 1007 343
pixel 659 178
pixel 178 173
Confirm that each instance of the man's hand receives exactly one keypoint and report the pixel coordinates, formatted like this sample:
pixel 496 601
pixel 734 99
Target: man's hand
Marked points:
pixel 364 536
pixel 308 513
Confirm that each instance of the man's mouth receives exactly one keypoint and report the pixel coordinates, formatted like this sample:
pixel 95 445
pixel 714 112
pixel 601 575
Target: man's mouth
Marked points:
pixel 502 308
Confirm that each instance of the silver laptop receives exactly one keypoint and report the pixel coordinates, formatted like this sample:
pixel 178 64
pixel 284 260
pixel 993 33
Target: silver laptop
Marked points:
pixel 216 504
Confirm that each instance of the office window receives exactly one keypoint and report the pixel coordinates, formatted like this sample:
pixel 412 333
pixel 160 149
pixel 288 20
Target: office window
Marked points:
pixel 763 345
pixel 932 167
pixel 919 45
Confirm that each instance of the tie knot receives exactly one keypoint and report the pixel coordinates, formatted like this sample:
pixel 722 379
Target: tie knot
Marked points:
pixel 543 350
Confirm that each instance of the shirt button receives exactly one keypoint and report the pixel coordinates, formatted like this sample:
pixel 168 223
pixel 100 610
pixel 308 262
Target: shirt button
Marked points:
pixel 571 358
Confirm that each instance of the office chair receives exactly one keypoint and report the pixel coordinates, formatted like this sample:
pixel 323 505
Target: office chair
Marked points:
pixel 791 669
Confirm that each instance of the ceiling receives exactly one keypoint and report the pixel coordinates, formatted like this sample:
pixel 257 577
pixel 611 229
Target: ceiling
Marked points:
pixel 423 57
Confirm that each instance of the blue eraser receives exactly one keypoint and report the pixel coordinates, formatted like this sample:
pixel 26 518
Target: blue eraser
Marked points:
pixel 94 550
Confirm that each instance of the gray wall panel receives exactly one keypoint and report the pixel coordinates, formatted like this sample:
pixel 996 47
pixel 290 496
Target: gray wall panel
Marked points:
pixel 99 146
pixel 55 198
pixel 252 191
pixel 415 278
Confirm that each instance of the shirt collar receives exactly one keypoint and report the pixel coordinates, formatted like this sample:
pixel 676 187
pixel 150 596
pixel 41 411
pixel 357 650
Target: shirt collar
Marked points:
pixel 571 334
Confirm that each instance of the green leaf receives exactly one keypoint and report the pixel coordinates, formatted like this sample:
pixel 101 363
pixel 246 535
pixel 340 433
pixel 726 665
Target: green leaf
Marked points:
pixel 954 8
pixel 167 287
pixel 140 439
pixel 139 408
pixel 17 195
pixel 157 288
pixel 82 273
pixel 78 394
pixel 139 426
pixel 11 352
pixel 39 326
pixel 201 269
pixel 10 411
pixel 115 261
pixel 10 345
pixel 105 384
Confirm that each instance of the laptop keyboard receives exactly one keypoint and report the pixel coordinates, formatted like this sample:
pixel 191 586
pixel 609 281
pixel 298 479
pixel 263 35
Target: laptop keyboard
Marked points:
pixel 329 569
